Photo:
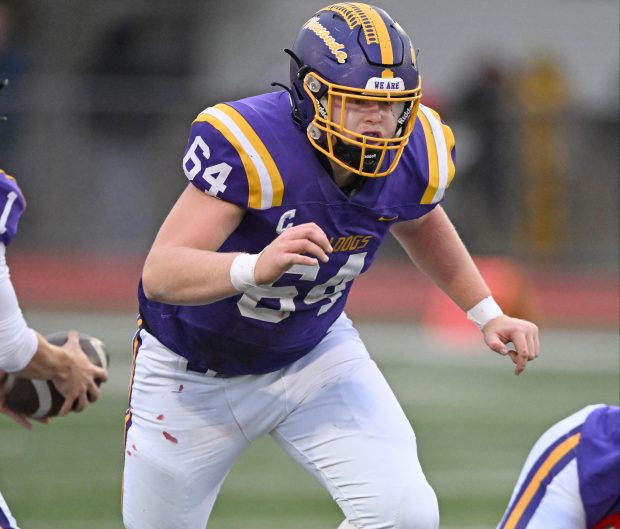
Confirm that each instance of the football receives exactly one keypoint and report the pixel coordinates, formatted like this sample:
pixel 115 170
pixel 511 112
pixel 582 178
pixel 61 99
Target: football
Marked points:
pixel 40 399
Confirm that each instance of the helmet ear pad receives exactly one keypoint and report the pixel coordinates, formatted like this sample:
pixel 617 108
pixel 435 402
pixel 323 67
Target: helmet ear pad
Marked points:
pixel 300 110
pixel 303 108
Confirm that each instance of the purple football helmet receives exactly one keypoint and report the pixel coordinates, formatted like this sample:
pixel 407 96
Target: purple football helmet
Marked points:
pixel 354 54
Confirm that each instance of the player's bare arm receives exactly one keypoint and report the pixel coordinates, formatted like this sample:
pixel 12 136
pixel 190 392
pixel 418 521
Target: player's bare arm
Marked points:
pixel 435 247
pixel 192 233
pixel 29 355
pixel 188 240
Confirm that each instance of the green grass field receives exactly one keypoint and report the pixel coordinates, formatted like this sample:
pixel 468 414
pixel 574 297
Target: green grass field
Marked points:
pixel 474 419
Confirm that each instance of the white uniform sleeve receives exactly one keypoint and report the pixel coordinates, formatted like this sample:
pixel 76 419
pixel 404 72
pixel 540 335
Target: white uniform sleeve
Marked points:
pixel 18 343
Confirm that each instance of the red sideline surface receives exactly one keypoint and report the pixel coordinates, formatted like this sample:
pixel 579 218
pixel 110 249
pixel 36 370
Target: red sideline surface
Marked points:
pixel 390 291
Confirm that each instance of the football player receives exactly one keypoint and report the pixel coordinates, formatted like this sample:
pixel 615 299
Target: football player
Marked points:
pixel 24 351
pixel 242 329
pixel 571 478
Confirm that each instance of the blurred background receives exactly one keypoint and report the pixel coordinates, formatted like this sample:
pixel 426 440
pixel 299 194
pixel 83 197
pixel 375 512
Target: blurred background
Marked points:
pixel 100 101
pixel 102 96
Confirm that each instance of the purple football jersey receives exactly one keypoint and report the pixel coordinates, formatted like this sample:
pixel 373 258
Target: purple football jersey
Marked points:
pixel 598 464
pixel 251 153
pixel 12 205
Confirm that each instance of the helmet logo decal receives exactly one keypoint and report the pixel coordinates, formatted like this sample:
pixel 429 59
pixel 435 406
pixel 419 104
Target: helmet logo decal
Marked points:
pixel 373 25
pixel 323 33
pixel 405 116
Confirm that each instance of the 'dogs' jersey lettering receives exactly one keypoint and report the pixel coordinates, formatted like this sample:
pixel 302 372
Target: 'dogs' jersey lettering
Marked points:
pixel 12 205
pixel 250 153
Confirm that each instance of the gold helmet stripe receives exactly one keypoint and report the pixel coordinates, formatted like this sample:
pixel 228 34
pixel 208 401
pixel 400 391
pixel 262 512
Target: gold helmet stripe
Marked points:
pixel 7 175
pixel 387 54
pixel 265 184
pixel 439 146
pixel 373 26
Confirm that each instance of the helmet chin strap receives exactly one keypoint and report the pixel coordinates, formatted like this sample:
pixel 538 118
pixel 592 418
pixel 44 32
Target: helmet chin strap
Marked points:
pixel 350 155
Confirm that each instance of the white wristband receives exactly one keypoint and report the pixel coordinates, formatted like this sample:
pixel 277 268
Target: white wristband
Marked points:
pixel 484 311
pixel 242 271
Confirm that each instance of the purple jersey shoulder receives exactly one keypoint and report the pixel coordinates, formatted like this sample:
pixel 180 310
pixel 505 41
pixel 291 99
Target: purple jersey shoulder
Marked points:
pixel 598 464
pixel 211 161
pixel 12 204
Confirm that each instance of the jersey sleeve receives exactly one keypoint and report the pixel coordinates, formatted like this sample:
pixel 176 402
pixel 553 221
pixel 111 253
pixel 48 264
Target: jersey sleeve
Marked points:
pixel 226 159
pixel 12 204
pixel 598 463
pixel 437 162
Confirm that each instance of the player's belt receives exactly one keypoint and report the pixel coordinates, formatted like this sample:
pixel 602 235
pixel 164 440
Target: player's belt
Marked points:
pixel 191 366
pixel 208 372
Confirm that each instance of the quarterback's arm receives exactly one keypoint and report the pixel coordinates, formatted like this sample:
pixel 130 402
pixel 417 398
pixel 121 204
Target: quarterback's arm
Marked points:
pixel 28 354
pixel 184 267
pixel 435 247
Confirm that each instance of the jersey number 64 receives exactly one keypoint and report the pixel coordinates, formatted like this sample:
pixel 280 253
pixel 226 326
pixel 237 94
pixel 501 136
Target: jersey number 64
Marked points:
pixel 330 290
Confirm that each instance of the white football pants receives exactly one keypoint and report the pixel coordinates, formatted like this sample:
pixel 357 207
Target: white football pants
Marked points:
pixel 331 411
pixel 546 495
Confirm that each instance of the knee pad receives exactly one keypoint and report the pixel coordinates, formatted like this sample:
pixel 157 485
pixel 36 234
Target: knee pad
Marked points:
pixel 418 508
pixel 412 507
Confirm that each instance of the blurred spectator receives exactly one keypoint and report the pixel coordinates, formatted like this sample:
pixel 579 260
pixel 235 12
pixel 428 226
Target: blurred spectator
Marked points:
pixel 485 178
pixel 137 69
pixel 13 64
pixel 137 75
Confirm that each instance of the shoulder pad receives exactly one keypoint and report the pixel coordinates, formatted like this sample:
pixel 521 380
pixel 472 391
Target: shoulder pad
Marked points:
pixel 227 159
pixel 440 148
pixel 12 205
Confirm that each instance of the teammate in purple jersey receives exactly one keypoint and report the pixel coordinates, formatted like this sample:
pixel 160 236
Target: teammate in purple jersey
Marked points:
pixel 24 351
pixel 242 330
pixel 571 478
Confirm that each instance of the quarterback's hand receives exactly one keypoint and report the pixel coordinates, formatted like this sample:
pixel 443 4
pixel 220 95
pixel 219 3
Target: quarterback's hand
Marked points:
pixel 522 334
pixel 305 244
pixel 76 378
pixel 17 417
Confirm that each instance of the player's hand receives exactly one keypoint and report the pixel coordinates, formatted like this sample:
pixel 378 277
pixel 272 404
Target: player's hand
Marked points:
pixel 305 244
pixel 523 335
pixel 17 417
pixel 76 378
